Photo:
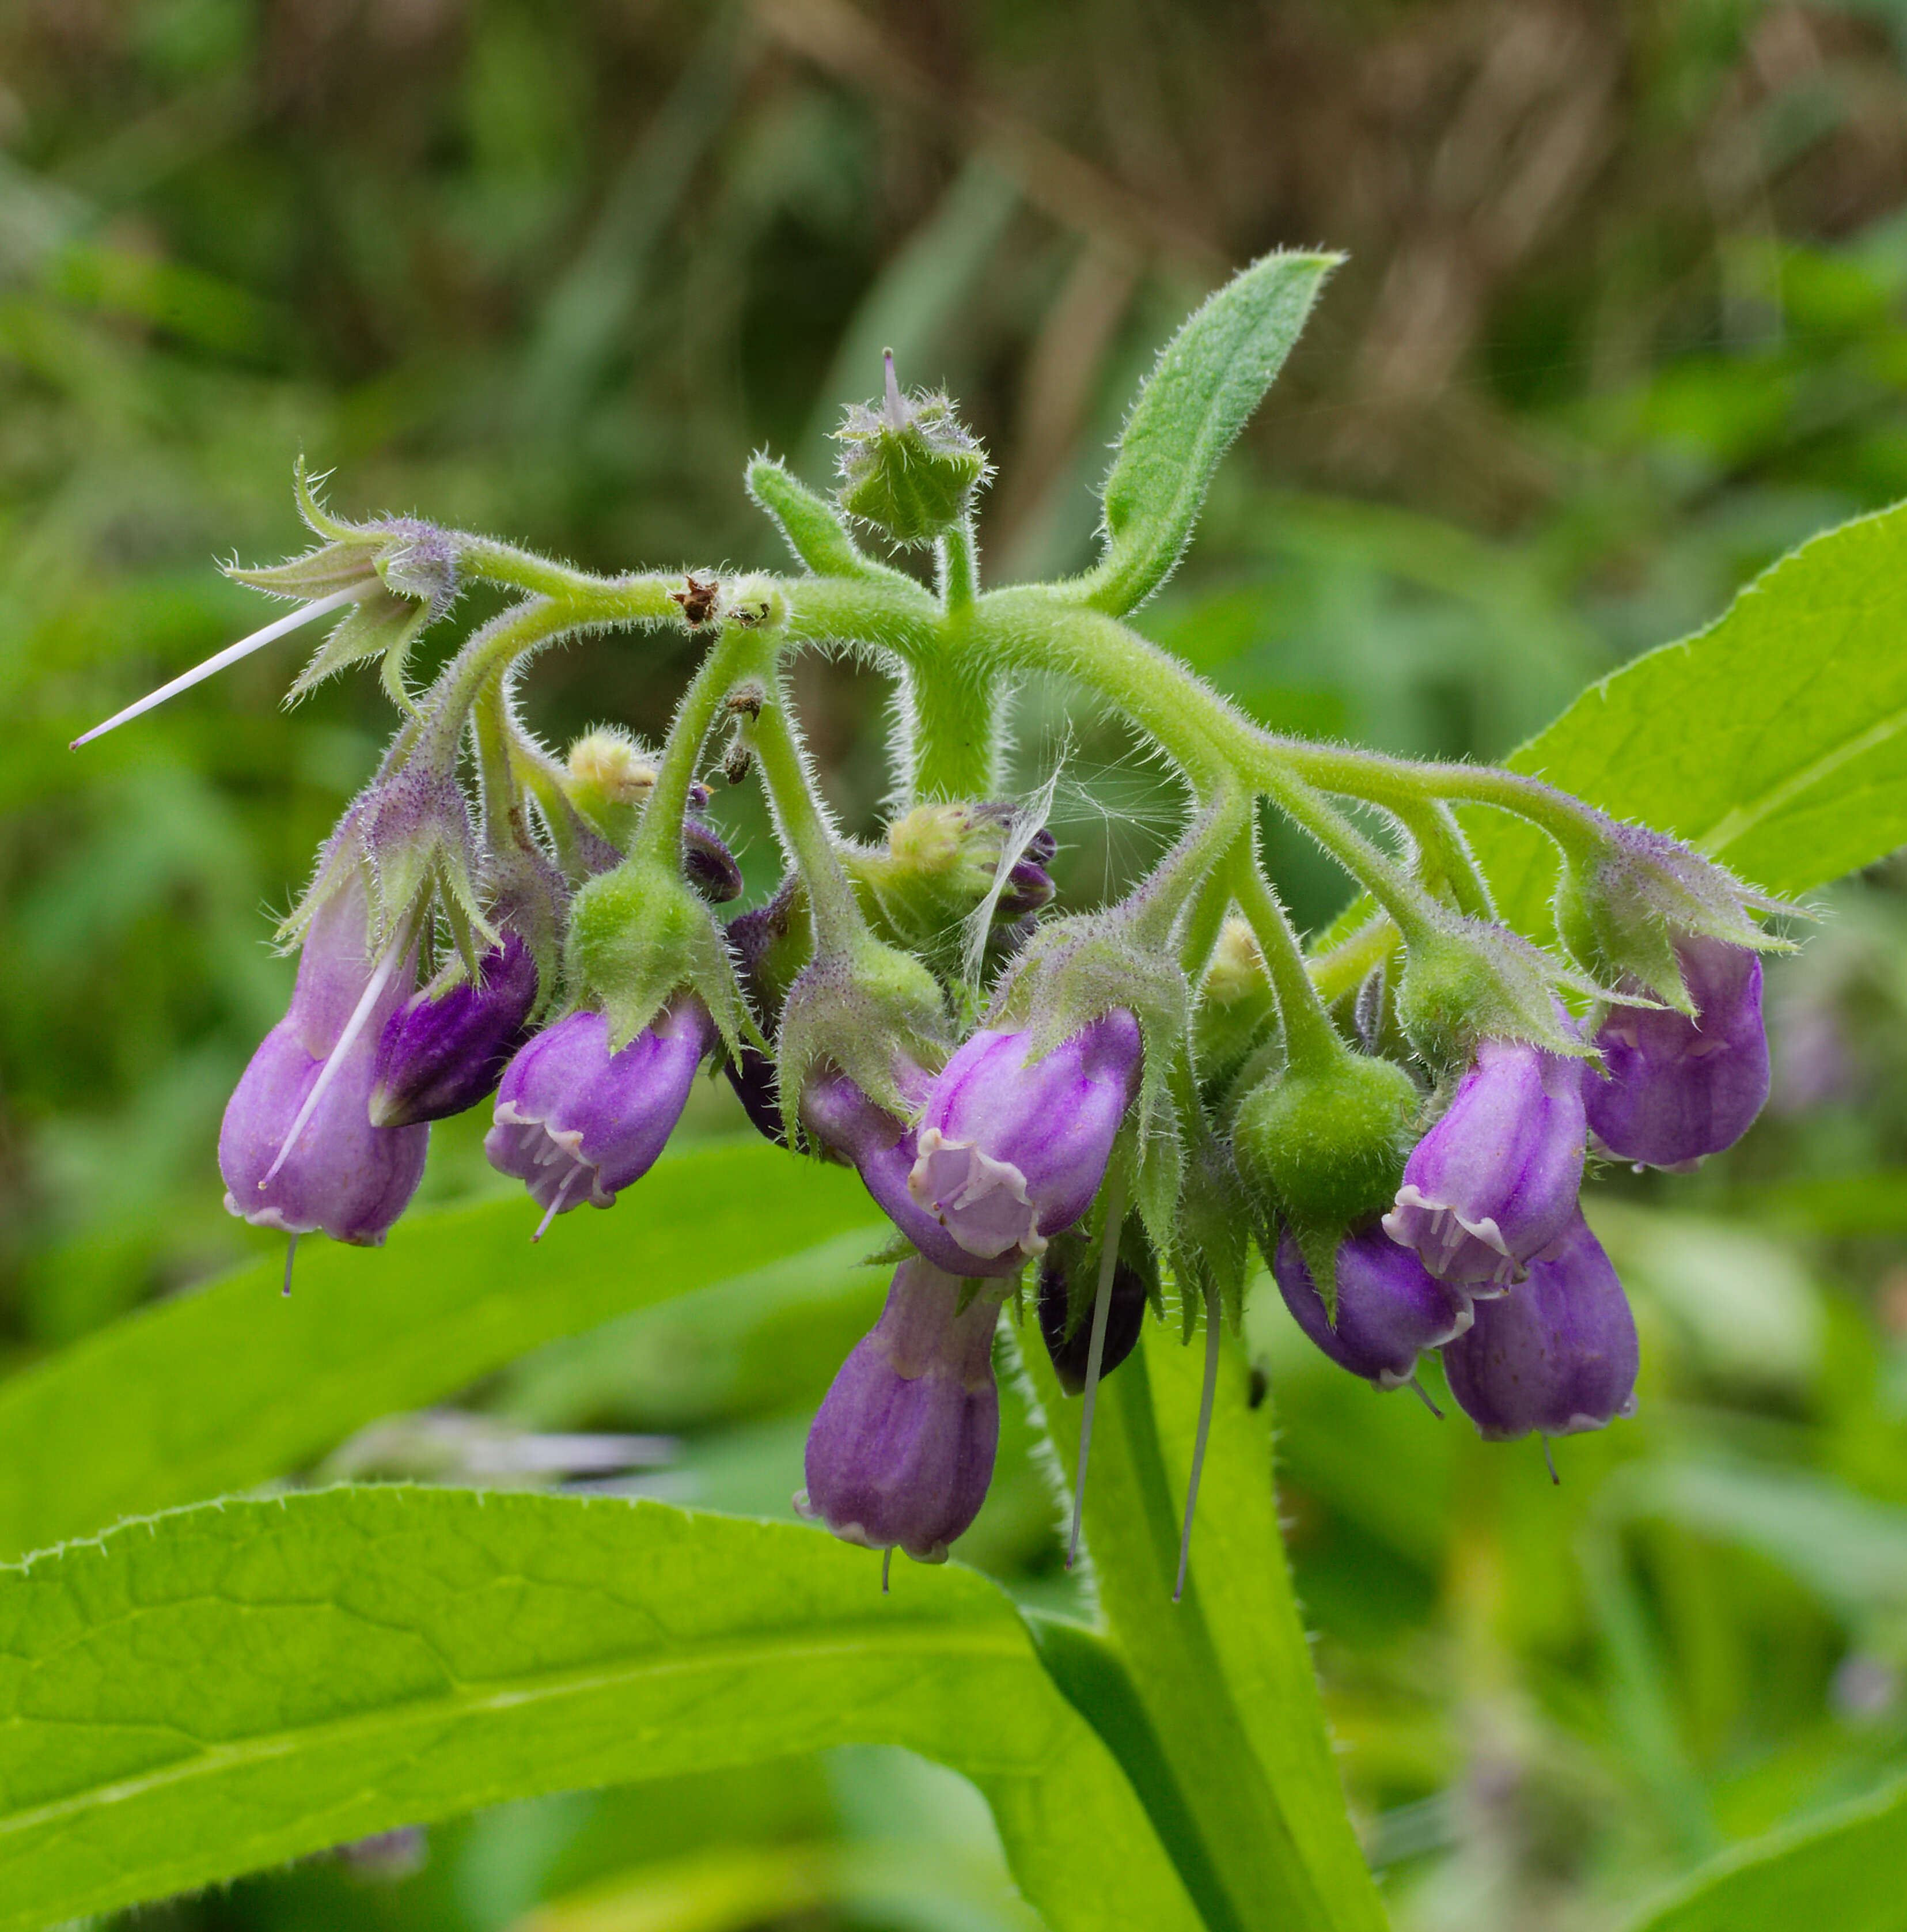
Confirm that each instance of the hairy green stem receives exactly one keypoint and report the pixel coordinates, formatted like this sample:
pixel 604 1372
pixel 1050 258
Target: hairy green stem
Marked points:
pixel 735 653
pixel 803 826
pixel 1310 1039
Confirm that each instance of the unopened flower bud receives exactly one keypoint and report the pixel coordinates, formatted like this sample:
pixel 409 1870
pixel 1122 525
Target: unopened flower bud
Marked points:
pixel 1557 1355
pixel 908 466
pixel 1069 1340
pixel 1495 1181
pixel 1013 1148
pixel 297 1148
pixel 1676 1088
pixel 903 1449
pixel 1235 1008
pixel 1389 1309
pixel 445 1049
pixel 576 1121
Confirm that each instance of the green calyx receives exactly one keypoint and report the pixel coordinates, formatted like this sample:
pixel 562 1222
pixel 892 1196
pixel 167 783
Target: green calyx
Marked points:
pixel 1323 1146
pixel 637 935
pixel 1465 980
pixel 909 466
pixel 941 863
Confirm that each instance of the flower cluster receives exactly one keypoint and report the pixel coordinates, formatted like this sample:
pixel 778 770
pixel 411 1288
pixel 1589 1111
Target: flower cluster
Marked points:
pixel 1105 1106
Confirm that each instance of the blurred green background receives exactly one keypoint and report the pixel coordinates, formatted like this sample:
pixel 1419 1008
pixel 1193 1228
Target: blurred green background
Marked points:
pixel 1625 317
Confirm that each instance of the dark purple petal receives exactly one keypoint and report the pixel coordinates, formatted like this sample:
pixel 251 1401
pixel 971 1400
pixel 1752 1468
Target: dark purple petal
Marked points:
pixel 1557 1353
pixel 751 1073
pixel 1679 1089
pixel 342 1175
pixel 437 1056
pixel 708 864
pixel 1011 1151
pixel 1126 1302
pixel 1495 1181
pixel 1389 1306
pixel 902 1451
pixel 576 1122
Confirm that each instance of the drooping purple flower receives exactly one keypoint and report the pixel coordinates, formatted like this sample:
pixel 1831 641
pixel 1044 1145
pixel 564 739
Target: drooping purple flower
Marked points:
pixel 1495 1181
pixel 1011 1151
pixel 576 1122
pixel 902 1451
pixel 1390 1307
pixel 1679 1089
pixel 839 1117
pixel 297 1148
pixel 1557 1353
pixel 1126 1302
pixel 439 1055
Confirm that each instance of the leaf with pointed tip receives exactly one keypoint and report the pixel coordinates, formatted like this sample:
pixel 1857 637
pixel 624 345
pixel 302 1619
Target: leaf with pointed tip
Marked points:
pixel 223 1688
pixel 1208 380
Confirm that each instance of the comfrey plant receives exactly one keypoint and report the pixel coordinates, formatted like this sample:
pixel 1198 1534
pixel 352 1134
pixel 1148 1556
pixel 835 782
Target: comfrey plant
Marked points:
pixel 1104 1107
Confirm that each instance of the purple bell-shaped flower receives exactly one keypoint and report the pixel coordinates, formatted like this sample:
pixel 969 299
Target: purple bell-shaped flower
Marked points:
pixel 1011 1150
pixel 576 1122
pixel 1677 1089
pixel 1495 1181
pixel 441 1053
pixel 1557 1353
pixel 298 1148
pixel 1389 1306
pixel 902 1451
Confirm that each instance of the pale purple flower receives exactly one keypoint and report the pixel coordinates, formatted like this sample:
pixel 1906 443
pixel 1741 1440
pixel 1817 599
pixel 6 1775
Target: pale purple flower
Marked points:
pixel 1557 1355
pixel 1389 1307
pixel 1677 1089
pixel 576 1122
pixel 902 1451
pixel 1495 1181
pixel 1011 1150
pixel 439 1054
pixel 297 1148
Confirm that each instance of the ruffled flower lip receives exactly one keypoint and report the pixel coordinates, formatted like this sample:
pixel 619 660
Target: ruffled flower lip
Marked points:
pixel 1578 1424
pixel 956 1182
pixel 1471 1253
pixel 859 1534
pixel 537 1162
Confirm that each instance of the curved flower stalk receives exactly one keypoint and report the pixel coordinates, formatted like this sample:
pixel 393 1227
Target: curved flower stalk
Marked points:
pixel 1401 1121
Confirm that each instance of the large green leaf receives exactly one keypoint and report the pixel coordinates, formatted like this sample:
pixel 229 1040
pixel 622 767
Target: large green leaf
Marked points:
pixel 225 1389
pixel 1850 1864
pixel 1776 740
pixel 1209 378
pixel 1215 1714
pixel 222 1688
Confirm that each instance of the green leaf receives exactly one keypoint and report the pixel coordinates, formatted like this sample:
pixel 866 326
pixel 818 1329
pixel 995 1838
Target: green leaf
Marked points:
pixel 225 1389
pixel 1218 1723
pixel 393 1656
pixel 1852 1862
pixel 1775 741
pixel 1209 378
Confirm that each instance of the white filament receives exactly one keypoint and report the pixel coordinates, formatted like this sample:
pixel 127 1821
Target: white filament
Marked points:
pixel 230 654
pixel 556 1206
pixel 1212 1315
pixel 1095 1349
pixel 354 1026
pixel 291 1256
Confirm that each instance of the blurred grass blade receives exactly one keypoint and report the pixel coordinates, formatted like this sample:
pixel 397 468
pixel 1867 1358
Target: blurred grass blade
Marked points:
pixel 1775 739
pixel 225 1389
pixel 1224 1733
pixel 393 1656
pixel 1850 1864
pixel 1208 380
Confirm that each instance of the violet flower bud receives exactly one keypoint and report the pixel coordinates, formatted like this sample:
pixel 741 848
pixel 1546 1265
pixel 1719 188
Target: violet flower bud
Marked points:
pixel 1495 1181
pixel 1010 1149
pixel 902 1451
pixel 708 864
pixel 1389 1306
pixel 1557 1353
pixel 751 1073
pixel 1126 1303
pixel 297 1149
pixel 440 1053
pixel 1680 1088
pixel 576 1122
pixel 841 1119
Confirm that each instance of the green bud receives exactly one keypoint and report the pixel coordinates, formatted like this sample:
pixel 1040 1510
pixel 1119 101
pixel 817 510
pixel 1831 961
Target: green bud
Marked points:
pixel 941 863
pixel 909 466
pixel 636 935
pixel 1324 1146
pixel 1236 1007
pixel 1469 980
pixel 608 778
